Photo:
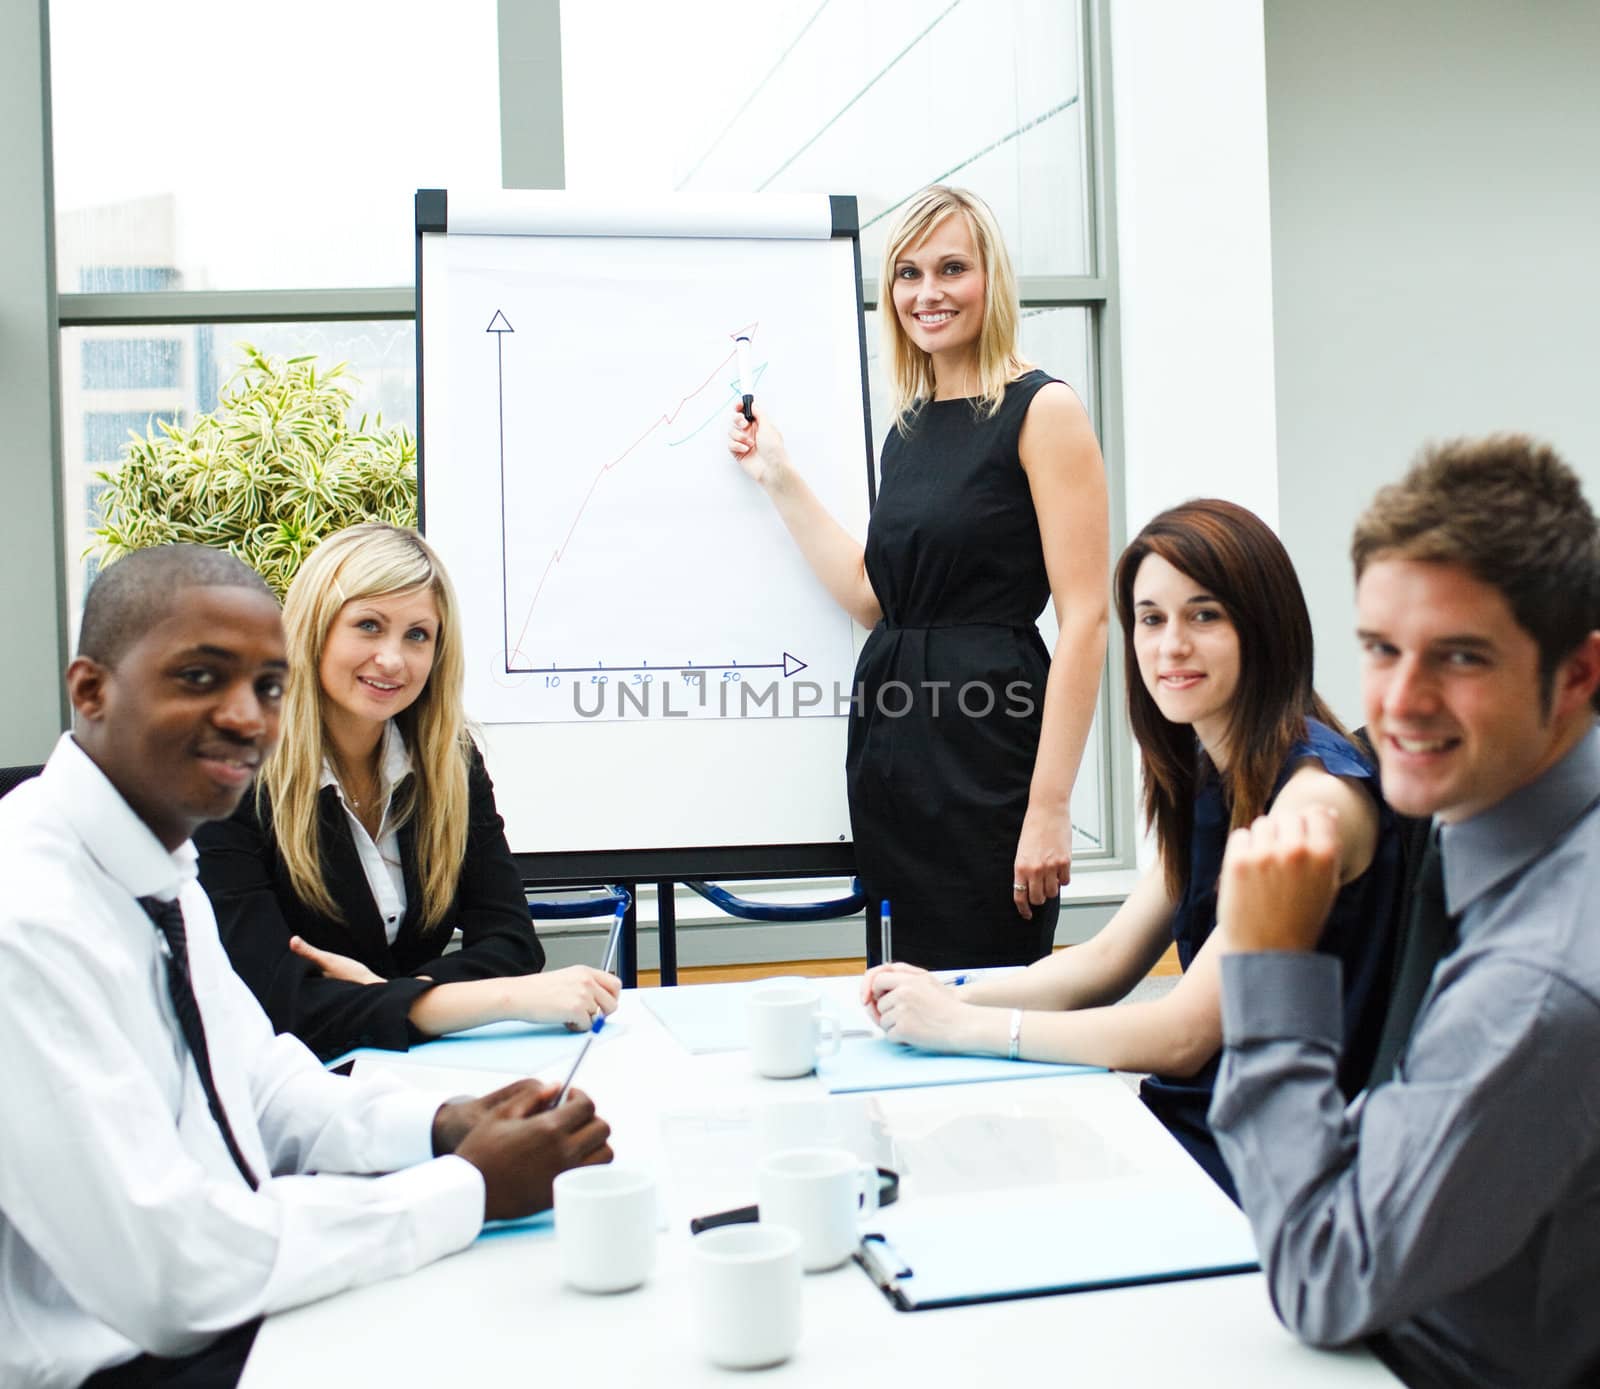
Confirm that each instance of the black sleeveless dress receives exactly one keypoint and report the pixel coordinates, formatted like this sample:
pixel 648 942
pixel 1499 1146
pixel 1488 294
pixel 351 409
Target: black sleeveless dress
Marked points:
pixel 949 689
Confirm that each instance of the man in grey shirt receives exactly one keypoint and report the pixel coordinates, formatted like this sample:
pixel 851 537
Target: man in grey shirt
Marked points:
pixel 1453 1210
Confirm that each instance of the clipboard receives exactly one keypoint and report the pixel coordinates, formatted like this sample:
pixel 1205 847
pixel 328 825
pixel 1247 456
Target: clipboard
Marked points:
pixel 1044 1241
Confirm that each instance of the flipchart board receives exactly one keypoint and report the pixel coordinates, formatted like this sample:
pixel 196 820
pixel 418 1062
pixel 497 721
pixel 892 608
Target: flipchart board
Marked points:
pixel 661 683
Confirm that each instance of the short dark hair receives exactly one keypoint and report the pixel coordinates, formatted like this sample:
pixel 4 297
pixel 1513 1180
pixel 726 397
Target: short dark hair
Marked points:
pixel 1513 515
pixel 133 594
pixel 1234 556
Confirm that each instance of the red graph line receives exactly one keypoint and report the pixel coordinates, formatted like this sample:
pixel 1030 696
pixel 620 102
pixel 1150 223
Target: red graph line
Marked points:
pixel 667 418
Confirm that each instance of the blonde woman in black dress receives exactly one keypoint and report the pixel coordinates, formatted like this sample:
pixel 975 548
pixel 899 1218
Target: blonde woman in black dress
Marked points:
pixel 966 735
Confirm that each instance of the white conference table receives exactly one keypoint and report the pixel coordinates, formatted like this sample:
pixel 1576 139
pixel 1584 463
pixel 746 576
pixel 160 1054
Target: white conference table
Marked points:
pixel 497 1313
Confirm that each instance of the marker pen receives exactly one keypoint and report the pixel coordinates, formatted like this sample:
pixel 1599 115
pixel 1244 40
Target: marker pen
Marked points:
pixel 746 383
pixel 887 931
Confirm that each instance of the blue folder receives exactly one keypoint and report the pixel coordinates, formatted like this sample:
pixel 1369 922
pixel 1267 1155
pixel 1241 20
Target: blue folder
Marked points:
pixel 544 1223
pixel 520 1048
pixel 1072 1237
pixel 711 1017
pixel 876 1063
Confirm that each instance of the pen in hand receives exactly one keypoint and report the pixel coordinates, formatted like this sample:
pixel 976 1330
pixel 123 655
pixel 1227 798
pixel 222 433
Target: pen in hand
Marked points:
pixel 599 1018
pixel 583 1051
pixel 886 934
pixel 615 938
pixel 742 347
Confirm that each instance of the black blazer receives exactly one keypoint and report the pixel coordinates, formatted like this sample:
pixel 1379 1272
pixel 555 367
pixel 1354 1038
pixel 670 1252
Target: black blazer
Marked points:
pixel 258 910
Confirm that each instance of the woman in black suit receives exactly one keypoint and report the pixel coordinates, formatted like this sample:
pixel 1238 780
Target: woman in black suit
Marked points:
pixel 372 836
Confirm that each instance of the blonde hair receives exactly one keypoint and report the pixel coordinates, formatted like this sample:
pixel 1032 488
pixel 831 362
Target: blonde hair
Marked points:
pixel 370 561
pixel 909 368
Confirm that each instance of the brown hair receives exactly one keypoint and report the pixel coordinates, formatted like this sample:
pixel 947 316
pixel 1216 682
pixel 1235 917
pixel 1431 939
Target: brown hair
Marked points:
pixel 1513 515
pixel 1234 556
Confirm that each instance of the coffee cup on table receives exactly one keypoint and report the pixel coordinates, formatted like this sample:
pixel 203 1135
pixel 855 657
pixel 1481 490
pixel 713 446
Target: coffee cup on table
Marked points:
pixel 746 1288
pixel 820 1194
pixel 789 1030
pixel 606 1221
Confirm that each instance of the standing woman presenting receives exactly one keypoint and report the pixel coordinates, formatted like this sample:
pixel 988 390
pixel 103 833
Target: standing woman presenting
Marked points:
pixel 965 736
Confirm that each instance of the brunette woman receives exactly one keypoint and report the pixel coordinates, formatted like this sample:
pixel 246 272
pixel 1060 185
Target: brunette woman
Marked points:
pixel 1219 669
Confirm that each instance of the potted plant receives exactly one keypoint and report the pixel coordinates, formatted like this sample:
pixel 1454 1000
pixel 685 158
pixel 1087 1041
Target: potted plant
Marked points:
pixel 275 468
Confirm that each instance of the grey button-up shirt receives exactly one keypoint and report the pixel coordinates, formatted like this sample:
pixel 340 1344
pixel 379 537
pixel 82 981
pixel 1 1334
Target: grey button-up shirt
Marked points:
pixel 1457 1208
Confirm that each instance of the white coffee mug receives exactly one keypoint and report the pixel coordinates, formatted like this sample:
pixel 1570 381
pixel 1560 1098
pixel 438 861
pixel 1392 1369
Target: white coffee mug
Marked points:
pixel 788 1030
pixel 820 1194
pixel 747 1294
pixel 605 1227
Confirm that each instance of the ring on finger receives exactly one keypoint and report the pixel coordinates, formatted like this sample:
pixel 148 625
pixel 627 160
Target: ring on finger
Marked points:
pixel 1019 887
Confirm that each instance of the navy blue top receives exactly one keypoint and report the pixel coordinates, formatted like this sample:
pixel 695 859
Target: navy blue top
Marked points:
pixel 1360 932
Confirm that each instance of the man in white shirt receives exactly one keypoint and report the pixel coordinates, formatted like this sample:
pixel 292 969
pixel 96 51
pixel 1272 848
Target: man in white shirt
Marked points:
pixel 156 1190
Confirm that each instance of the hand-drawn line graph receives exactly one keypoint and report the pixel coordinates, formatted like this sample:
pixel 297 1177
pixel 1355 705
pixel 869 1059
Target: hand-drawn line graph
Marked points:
pixel 711 399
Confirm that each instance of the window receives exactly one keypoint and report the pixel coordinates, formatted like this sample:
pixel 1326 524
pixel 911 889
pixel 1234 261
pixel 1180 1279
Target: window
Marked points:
pixel 136 363
pixel 381 354
pixel 106 431
pixel 878 100
pixel 849 96
pixel 251 155
pixel 174 142
pixel 125 279
pixel 215 146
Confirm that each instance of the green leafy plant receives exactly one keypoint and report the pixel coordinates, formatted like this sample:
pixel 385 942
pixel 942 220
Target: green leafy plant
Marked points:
pixel 275 468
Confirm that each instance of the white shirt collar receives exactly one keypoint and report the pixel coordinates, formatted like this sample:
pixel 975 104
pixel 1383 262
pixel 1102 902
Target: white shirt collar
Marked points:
pixel 396 764
pixel 118 840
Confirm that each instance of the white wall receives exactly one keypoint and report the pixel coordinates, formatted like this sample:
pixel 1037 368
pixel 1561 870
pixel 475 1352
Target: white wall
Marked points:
pixel 1195 249
pixel 1435 173
pixel 1194 242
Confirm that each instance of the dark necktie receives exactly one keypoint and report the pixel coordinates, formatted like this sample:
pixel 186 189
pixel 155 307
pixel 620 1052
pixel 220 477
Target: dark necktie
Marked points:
pixel 1430 934
pixel 168 917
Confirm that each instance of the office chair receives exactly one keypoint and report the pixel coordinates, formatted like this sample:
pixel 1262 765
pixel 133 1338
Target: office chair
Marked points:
pixel 13 777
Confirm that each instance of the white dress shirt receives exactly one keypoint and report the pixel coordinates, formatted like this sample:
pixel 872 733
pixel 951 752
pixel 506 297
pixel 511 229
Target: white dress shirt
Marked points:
pixel 380 858
pixel 124 1224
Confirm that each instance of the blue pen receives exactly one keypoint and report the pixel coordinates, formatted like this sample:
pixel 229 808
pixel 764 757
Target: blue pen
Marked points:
pixel 594 1031
pixel 616 936
pixel 887 935
pixel 599 1022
